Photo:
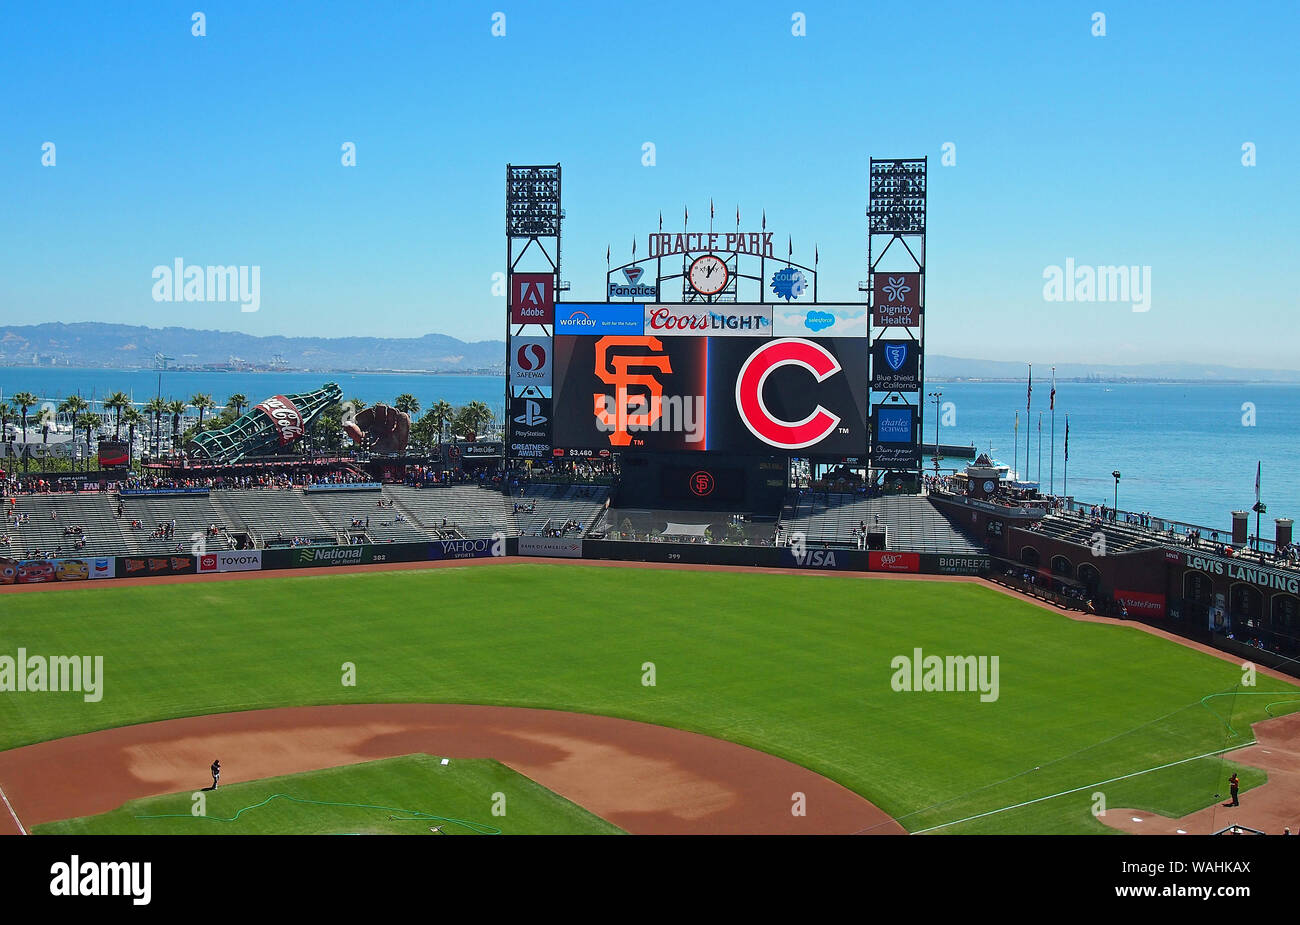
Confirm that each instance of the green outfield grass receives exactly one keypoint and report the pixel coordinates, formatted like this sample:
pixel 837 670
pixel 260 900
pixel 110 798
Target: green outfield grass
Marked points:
pixel 395 796
pixel 795 665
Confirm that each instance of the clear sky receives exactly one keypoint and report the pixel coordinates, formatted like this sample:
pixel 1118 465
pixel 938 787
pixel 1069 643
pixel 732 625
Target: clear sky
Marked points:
pixel 225 149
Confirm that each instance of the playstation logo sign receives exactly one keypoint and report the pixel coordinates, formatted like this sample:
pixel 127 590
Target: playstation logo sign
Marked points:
pixel 634 289
pixel 532 416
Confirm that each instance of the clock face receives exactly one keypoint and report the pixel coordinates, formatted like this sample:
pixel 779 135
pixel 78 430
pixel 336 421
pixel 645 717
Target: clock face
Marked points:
pixel 708 275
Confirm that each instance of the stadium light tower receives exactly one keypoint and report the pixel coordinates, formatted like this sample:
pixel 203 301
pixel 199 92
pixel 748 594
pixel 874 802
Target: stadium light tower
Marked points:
pixel 936 396
pixel 1115 475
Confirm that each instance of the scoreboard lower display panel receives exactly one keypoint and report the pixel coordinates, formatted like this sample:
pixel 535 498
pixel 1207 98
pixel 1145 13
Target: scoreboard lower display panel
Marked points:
pixel 749 396
pixel 687 481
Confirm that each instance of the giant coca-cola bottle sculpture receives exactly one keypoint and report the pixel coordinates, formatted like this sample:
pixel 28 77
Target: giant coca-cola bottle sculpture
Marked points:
pixel 270 426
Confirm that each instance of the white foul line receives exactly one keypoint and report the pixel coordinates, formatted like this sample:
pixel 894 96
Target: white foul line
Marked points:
pixel 994 812
pixel 10 807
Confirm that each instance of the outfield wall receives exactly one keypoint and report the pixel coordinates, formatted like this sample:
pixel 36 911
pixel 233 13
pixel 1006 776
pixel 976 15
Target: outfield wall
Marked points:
pixel 576 548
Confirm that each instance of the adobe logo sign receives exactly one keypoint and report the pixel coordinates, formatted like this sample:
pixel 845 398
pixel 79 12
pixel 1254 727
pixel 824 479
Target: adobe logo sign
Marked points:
pixel 532 298
pixel 893 561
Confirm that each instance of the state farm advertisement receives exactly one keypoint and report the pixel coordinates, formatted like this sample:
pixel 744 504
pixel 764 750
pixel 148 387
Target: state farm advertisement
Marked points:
pixel 1141 603
pixel 894 561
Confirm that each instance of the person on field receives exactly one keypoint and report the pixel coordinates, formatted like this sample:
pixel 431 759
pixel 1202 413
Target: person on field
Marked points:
pixel 216 773
pixel 1233 785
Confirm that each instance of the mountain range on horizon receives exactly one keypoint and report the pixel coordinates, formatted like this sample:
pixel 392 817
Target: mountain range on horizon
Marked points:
pixel 99 344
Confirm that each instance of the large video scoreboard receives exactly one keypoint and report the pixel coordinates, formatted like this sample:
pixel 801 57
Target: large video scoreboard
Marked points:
pixel 742 379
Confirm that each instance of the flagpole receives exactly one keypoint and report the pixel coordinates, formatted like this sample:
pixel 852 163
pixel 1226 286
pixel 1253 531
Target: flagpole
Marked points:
pixel 1029 400
pixel 1015 453
pixel 1051 465
pixel 1258 548
pixel 1065 481
pixel 1040 451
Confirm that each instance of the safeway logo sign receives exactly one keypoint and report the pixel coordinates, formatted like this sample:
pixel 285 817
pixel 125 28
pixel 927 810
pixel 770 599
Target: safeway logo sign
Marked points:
pixel 530 360
pixel 532 298
pixel 786 435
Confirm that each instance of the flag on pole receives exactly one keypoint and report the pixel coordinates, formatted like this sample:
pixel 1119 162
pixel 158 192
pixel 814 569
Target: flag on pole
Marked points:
pixel 790 247
pixel 634 248
pixel 815 256
pixel 1257 470
pixel 1029 395
pixel 710 208
pixel 737 216
pixel 1067 438
pixel 661 219
pixel 686 216
pixel 765 219
pixel 1051 406
pixel 607 255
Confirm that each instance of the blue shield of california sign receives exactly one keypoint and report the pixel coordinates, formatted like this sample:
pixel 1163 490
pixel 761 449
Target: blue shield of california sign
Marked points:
pixel 895 366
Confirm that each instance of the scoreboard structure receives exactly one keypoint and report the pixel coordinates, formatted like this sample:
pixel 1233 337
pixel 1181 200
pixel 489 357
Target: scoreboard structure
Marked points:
pixel 712 355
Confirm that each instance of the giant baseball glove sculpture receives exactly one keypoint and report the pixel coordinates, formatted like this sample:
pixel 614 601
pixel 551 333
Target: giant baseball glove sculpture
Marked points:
pixel 380 428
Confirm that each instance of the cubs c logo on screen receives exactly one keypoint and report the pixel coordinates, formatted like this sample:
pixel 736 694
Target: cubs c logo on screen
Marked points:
pixel 789 351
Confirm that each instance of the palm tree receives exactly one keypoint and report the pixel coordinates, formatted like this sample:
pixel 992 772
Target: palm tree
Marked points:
pixel 478 415
pixel 408 403
pixel 238 401
pixel 25 400
pixel 72 406
pixel 117 403
pixel 442 412
pixel 157 407
pixel 6 412
pixel 176 408
pixel 91 422
pixel 203 402
pixel 132 418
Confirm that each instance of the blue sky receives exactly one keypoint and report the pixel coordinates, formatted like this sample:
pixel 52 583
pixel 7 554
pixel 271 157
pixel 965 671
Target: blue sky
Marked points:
pixel 225 149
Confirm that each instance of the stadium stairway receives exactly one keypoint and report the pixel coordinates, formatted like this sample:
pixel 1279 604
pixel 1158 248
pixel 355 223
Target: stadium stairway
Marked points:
pixel 340 508
pixel 96 514
pixel 192 513
pixel 911 523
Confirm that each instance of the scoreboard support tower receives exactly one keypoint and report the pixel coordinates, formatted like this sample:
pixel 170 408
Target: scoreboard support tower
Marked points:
pixel 896 209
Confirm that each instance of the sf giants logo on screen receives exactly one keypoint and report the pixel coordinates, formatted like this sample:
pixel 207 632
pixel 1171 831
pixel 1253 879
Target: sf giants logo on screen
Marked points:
pixel 616 371
pixel 702 483
pixel 786 435
pixel 532 298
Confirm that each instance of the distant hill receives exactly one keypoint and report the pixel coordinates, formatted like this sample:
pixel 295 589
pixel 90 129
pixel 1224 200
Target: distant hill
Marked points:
pixel 942 367
pixel 93 344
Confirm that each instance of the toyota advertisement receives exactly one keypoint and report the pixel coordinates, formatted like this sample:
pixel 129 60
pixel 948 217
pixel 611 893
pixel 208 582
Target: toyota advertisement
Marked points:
pixel 694 391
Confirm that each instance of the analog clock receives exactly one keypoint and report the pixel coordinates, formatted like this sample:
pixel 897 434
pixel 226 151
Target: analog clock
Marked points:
pixel 708 275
